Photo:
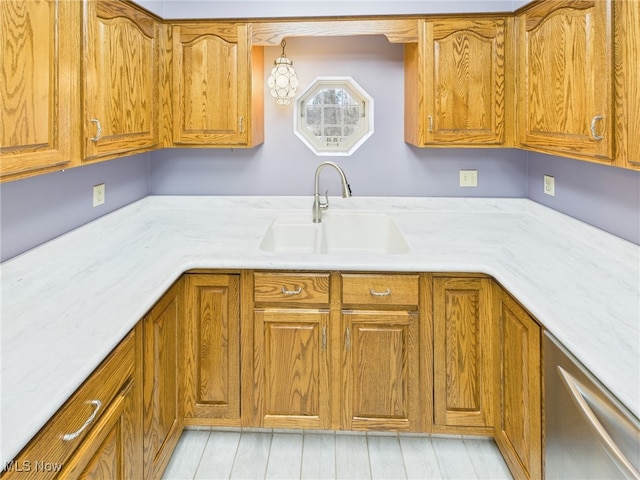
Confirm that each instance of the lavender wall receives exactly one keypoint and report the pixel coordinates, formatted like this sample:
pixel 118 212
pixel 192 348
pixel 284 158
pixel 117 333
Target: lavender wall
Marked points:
pixel 603 196
pixel 383 165
pixel 37 209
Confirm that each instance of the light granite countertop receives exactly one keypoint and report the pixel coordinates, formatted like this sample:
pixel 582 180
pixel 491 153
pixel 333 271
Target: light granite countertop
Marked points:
pixel 67 303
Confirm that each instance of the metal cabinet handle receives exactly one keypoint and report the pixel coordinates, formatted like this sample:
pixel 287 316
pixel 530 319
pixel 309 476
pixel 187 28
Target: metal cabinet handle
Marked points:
pixel 386 293
pixel 594 135
pixel 605 439
pixel 67 437
pixel 430 123
pixel 297 291
pixel 241 124
pixel 324 338
pixel 347 339
pixel 98 130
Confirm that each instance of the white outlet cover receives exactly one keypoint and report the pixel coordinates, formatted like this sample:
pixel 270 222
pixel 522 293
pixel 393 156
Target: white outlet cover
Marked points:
pixel 98 194
pixel 549 185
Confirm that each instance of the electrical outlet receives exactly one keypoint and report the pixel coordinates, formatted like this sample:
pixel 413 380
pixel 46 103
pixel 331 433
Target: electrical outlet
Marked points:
pixel 468 178
pixel 549 185
pixel 98 194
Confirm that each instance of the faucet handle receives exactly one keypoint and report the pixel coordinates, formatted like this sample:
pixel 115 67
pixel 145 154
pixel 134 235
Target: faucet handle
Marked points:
pixel 324 205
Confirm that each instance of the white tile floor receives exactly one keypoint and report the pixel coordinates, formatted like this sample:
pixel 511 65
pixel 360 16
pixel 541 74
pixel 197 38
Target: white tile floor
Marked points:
pixel 215 454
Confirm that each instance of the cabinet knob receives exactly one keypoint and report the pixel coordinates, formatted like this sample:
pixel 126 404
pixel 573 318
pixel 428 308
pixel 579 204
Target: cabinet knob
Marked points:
pixel 98 130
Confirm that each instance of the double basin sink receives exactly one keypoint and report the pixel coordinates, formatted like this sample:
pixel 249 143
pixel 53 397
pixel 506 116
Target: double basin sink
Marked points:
pixel 338 233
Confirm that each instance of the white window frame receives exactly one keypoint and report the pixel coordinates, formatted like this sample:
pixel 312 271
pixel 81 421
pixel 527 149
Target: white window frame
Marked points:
pixel 317 135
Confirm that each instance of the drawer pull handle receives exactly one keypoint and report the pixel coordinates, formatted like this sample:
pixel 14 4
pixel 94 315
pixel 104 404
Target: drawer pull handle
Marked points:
pixel 324 338
pixel 297 291
pixel 386 293
pixel 347 339
pixel 67 437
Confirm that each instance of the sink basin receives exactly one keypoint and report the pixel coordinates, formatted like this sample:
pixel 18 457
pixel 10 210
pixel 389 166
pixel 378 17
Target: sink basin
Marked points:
pixel 338 233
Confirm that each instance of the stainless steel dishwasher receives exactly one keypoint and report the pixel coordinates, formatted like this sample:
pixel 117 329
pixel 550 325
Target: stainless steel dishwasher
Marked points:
pixel 588 433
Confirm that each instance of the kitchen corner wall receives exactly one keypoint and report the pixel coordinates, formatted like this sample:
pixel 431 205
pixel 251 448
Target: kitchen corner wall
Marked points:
pixel 38 209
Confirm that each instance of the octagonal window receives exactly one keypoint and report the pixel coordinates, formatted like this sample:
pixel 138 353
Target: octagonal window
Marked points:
pixel 333 116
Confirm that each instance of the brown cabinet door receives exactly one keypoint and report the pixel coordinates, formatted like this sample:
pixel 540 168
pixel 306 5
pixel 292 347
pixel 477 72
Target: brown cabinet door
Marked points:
pixel 38 97
pixel 120 75
pixel 212 347
pixel 518 432
pixel 565 78
pixel 465 99
pixel 163 415
pixel 212 84
pixel 463 359
pixel 292 368
pixel 380 368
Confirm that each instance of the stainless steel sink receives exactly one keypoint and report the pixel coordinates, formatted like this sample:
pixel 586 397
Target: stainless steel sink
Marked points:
pixel 338 233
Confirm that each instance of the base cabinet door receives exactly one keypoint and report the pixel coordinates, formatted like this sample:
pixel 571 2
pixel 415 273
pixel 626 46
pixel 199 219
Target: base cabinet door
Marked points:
pixel 162 399
pixel 292 363
pixel 463 369
pixel 518 427
pixel 380 370
pixel 212 349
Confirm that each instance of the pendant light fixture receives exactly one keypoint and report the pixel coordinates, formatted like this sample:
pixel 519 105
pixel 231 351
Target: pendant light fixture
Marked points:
pixel 283 81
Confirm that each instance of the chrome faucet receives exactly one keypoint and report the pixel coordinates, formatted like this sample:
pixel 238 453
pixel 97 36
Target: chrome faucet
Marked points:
pixel 318 205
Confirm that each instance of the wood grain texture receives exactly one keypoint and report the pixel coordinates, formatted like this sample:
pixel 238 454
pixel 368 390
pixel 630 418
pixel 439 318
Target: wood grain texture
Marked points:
pixel 463 373
pixel 39 98
pixel 309 288
pixel 121 89
pixel 565 78
pixel 518 430
pixel 455 83
pixel 292 356
pixel 627 82
pixel 162 394
pixel 380 369
pixel 383 289
pixel 214 86
pixel 397 30
pixel 212 347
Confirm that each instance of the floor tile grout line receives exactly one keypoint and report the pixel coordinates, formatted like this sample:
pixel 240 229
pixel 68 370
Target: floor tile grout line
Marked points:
pixel 195 473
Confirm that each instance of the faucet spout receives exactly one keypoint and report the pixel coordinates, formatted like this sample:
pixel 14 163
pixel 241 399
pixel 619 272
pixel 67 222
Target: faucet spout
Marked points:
pixel 319 205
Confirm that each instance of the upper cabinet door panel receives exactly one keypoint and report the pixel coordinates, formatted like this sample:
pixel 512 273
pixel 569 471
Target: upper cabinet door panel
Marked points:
pixel 466 102
pixel 121 46
pixel 211 82
pixel 565 78
pixel 37 86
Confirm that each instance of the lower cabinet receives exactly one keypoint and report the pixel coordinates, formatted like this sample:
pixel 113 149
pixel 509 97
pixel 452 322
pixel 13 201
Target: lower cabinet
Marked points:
pixel 463 364
pixel 97 432
pixel 380 359
pixel 291 350
pixel 162 393
pixel 518 431
pixel 212 349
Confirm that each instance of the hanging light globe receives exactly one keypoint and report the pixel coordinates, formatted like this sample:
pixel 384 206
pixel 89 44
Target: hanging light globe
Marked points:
pixel 283 81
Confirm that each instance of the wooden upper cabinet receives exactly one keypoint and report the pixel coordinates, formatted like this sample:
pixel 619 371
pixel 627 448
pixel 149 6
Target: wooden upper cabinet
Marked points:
pixel 215 99
pixel 627 75
pixel 565 80
pixel 455 81
pixel 120 80
pixel 38 96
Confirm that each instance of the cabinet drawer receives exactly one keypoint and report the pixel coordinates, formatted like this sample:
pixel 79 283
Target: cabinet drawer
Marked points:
pixel 51 448
pixel 310 288
pixel 380 289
